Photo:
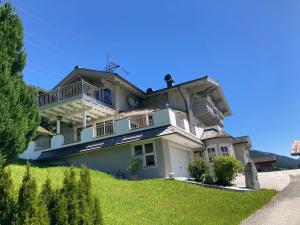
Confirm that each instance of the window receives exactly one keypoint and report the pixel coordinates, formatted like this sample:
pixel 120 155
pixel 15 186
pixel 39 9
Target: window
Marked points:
pixel 224 151
pixel 138 150
pixel 179 121
pixel 211 153
pixel 146 152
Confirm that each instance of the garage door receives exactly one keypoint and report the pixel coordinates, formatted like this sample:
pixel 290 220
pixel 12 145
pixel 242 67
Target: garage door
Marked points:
pixel 179 162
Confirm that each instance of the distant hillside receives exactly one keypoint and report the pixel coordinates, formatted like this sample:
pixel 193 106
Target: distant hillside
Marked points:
pixel 282 162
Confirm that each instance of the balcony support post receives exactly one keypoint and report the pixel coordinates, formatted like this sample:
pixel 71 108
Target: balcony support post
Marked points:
pixel 58 125
pixel 82 86
pixel 84 120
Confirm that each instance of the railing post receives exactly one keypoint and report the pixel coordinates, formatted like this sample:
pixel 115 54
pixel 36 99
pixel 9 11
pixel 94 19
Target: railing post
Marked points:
pixel 82 86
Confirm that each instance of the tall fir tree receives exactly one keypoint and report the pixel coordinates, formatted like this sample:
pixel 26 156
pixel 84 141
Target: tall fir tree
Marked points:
pixel 97 214
pixel 59 212
pixel 27 199
pixel 47 196
pixel 19 116
pixel 7 201
pixel 70 193
pixel 85 198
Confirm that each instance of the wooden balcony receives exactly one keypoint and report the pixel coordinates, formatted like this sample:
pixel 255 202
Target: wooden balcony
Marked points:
pixel 76 89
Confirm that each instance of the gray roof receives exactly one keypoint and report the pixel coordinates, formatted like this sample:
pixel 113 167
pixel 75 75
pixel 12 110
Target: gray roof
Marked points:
pixel 214 133
pixel 116 140
pixel 242 140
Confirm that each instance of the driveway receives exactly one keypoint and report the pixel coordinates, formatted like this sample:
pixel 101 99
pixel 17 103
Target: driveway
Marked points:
pixel 277 180
pixel 282 210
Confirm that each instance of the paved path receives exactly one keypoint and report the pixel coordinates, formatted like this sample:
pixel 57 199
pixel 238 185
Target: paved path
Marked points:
pixel 282 210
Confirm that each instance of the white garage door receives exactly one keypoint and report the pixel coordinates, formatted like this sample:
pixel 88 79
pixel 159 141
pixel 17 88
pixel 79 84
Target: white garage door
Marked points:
pixel 179 162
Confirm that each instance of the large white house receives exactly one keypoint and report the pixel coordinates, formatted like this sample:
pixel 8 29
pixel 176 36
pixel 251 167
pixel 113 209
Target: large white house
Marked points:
pixel 104 120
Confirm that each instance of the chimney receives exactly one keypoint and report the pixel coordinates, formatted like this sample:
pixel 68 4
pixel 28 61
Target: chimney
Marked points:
pixel 169 80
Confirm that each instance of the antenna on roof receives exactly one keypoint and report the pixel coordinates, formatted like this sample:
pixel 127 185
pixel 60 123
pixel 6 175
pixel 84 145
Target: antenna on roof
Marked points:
pixel 111 66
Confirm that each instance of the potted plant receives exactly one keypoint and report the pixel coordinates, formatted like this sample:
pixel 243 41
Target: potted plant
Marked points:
pixel 134 165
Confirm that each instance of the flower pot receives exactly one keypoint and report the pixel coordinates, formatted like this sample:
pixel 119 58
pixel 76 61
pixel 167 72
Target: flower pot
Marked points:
pixel 134 177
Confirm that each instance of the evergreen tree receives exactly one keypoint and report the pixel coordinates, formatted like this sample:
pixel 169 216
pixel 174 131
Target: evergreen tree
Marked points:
pixel 47 196
pixel 27 199
pixel 70 193
pixel 97 215
pixel 85 198
pixel 19 116
pixel 42 216
pixel 7 201
pixel 59 214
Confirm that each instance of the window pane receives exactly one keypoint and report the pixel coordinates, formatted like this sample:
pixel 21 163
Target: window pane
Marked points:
pixel 148 148
pixel 138 150
pixel 211 153
pixel 224 151
pixel 150 161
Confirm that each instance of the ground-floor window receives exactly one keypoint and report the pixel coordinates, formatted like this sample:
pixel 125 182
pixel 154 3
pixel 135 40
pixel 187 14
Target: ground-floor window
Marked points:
pixel 224 151
pixel 211 153
pixel 146 152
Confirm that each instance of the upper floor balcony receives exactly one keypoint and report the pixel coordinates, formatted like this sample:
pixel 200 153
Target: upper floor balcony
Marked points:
pixel 76 89
pixel 206 111
pixel 71 101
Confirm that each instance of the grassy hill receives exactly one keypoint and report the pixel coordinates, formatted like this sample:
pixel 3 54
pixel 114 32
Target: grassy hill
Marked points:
pixel 158 201
pixel 282 162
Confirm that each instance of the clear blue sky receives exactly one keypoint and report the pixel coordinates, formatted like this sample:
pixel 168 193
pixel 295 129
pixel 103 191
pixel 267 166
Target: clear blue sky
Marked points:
pixel 252 47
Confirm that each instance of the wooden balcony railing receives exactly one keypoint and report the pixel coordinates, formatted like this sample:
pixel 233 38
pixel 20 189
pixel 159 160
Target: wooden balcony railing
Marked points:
pixel 75 89
pixel 141 121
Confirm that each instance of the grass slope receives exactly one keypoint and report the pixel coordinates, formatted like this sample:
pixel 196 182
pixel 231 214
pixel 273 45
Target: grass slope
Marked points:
pixel 282 162
pixel 151 202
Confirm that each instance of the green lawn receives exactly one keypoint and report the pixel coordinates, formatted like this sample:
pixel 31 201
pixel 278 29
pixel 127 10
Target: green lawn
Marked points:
pixel 166 202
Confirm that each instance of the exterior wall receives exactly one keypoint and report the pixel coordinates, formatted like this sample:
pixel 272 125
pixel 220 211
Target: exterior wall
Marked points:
pixel 156 102
pixel 115 159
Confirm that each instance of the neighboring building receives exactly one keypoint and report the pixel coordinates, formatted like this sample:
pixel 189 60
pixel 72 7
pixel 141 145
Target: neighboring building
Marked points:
pixel 295 149
pixel 103 120
pixel 264 164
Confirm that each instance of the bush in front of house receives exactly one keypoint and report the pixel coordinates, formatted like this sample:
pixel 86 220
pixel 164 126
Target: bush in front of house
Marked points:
pixel 134 165
pixel 207 179
pixel 197 168
pixel 226 168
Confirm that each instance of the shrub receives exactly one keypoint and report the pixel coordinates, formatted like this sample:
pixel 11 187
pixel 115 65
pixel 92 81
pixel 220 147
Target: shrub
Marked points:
pixel 226 169
pixel 197 168
pixel 207 179
pixel 134 165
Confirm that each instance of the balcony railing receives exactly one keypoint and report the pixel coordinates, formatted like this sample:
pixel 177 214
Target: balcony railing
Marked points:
pixel 42 144
pixel 141 121
pixel 104 128
pixel 76 89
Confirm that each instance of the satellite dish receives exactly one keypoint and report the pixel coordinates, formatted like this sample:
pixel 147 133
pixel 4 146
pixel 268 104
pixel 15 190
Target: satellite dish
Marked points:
pixel 132 102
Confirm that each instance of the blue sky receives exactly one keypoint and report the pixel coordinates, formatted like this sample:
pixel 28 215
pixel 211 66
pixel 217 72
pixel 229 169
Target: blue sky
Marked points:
pixel 252 47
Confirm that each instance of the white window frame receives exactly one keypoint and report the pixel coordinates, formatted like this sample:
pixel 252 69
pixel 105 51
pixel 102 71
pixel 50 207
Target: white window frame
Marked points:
pixel 143 156
pixel 180 121
pixel 228 150
pixel 215 153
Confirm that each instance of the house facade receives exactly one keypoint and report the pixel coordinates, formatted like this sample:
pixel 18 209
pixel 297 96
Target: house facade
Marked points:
pixel 103 120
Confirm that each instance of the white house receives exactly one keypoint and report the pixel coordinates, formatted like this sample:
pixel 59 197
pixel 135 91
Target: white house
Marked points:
pixel 103 120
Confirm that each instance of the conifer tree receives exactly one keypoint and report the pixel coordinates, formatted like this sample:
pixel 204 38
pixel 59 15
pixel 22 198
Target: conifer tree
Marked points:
pixel 19 116
pixel 47 196
pixel 97 215
pixel 42 216
pixel 7 201
pixel 27 199
pixel 59 214
pixel 85 198
pixel 70 193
